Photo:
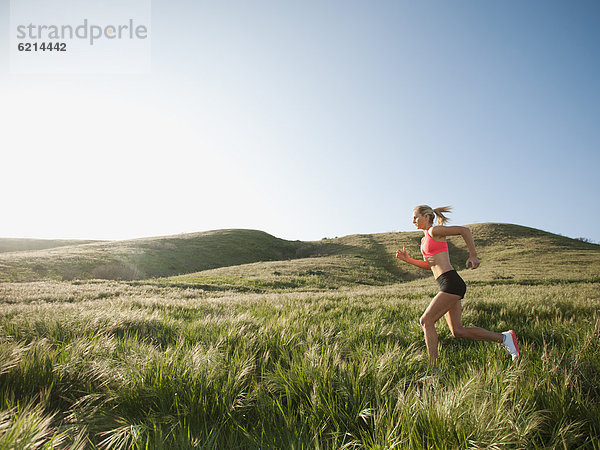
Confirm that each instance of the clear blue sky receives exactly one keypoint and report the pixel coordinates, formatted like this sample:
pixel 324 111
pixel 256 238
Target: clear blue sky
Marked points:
pixel 312 119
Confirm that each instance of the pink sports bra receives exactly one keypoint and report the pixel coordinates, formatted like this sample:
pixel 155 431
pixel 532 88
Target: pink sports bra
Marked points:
pixel 430 246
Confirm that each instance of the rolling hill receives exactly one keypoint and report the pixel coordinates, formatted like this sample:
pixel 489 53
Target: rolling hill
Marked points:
pixel 254 260
pixel 149 257
pixel 22 245
pixel 510 254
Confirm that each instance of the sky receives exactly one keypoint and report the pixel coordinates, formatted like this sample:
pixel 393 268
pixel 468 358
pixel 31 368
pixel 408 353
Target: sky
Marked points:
pixel 307 119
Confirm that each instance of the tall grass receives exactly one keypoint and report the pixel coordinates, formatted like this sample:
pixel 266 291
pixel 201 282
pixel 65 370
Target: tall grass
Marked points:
pixel 110 365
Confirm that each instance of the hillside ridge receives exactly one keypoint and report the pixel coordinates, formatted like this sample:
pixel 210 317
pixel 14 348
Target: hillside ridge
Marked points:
pixel 234 254
pixel 9 245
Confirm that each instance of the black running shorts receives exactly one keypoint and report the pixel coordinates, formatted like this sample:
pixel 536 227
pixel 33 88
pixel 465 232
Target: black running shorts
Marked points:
pixel 451 283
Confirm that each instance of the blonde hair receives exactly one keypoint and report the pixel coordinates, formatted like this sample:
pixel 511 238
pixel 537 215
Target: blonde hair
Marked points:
pixel 425 210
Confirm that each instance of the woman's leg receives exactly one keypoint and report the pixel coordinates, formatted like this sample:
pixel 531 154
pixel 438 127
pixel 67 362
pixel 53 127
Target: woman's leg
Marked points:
pixel 454 319
pixel 439 306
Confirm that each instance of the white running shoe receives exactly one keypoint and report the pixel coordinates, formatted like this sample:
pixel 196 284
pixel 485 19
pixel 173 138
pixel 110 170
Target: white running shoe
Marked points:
pixel 510 343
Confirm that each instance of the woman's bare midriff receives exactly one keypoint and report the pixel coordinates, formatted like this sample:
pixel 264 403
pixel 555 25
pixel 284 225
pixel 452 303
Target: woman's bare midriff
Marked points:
pixel 439 263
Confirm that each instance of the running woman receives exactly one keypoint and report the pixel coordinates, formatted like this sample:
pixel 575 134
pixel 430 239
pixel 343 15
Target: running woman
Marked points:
pixel 434 248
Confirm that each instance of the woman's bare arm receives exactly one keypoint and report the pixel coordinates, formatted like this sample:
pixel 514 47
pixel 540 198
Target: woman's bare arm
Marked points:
pixel 403 255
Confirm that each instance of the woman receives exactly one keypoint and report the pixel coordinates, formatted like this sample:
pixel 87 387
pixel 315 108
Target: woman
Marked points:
pixel 452 288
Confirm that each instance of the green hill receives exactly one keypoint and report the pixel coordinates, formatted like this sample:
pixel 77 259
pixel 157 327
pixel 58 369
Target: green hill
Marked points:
pixel 23 245
pixel 256 261
pixel 150 257
pixel 510 254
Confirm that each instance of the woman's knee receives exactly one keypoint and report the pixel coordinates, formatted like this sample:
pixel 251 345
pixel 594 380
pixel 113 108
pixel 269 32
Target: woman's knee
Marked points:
pixel 426 322
pixel 458 332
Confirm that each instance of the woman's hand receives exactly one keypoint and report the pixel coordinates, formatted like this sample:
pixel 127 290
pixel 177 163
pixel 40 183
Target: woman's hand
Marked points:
pixel 402 255
pixel 474 261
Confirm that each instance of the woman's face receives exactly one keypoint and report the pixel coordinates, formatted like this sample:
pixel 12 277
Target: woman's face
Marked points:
pixel 420 220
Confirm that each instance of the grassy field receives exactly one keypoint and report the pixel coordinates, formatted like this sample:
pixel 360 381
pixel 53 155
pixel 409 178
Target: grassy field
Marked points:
pixel 319 349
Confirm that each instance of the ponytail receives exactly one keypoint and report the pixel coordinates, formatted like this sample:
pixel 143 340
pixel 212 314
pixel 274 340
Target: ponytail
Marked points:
pixel 439 212
pixel 425 210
